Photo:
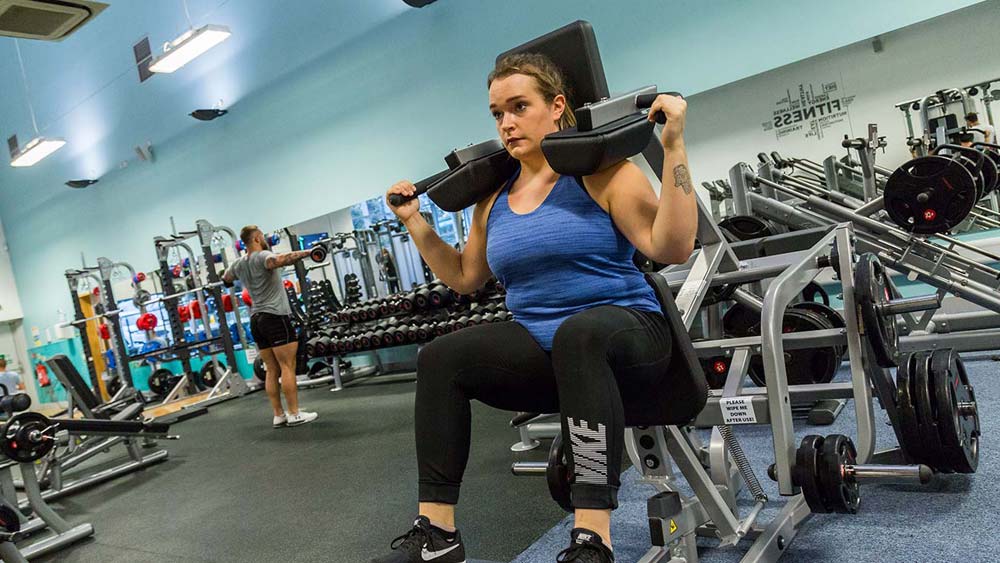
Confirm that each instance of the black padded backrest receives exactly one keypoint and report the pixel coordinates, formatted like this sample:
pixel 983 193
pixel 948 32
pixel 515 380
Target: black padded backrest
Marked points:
pixel 573 49
pixel 71 379
pixel 681 392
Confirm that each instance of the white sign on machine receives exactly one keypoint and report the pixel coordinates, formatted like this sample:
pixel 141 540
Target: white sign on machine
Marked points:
pixel 737 410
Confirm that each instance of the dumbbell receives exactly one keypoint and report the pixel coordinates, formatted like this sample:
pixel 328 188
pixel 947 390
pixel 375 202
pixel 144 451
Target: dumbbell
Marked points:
pixel 421 298
pixel 411 334
pixel 475 319
pixel 408 302
pixel 440 296
pixel 424 331
pixel 364 341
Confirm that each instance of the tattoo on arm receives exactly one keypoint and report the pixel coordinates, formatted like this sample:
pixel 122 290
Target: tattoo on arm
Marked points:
pixel 282 260
pixel 682 178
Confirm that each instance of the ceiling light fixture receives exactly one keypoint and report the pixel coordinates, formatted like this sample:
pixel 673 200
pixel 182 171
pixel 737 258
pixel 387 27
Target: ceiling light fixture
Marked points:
pixel 189 46
pixel 208 114
pixel 39 147
pixel 78 184
pixel 419 3
pixel 36 150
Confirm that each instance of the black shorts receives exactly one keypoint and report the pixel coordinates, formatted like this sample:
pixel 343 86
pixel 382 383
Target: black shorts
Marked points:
pixel 270 330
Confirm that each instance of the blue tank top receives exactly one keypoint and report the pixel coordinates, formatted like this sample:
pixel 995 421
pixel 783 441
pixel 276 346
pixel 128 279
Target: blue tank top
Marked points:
pixel 564 257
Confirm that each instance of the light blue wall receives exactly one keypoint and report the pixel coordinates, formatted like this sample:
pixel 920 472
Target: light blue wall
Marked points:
pixel 390 104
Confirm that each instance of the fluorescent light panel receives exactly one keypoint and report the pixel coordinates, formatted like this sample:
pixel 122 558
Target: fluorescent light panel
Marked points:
pixel 36 150
pixel 189 46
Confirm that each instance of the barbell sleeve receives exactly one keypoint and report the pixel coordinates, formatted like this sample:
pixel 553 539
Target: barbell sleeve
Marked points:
pixel 899 474
pixel 524 468
pixel 912 304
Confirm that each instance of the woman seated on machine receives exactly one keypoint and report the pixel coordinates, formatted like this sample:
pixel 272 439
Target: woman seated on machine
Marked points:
pixel 585 318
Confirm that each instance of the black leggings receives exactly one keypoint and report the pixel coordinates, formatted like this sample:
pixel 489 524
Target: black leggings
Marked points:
pixel 596 355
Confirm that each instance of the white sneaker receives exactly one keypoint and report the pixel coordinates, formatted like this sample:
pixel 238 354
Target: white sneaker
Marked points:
pixel 280 421
pixel 301 417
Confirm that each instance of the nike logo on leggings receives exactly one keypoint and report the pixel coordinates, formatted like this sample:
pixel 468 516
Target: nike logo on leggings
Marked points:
pixel 432 555
pixel 590 452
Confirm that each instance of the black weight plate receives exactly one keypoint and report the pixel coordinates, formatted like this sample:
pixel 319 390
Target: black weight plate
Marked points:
pixel 114 386
pixel 804 366
pixel 10 520
pixel 814 293
pixel 828 313
pixel 16 443
pixel 744 227
pixel 259 370
pixel 160 381
pixel 977 175
pixel 993 157
pixel 739 320
pixel 959 430
pixel 872 293
pixel 806 472
pixel 209 377
pixel 923 389
pixel 909 429
pixel 991 174
pixel 949 188
pixel 558 476
pixel 842 496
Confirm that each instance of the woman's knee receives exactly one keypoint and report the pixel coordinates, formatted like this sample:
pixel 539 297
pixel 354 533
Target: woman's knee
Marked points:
pixel 585 334
pixel 439 360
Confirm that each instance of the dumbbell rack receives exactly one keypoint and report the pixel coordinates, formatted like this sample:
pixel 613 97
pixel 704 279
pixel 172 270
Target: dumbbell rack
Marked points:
pixel 382 315
pixel 957 268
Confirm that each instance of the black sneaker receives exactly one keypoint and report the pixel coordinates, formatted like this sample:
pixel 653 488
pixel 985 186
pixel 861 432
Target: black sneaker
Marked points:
pixel 585 547
pixel 425 544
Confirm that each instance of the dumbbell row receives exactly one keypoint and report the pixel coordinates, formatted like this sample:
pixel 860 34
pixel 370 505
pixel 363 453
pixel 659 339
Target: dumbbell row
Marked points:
pixel 397 335
pixel 432 315
pixel 428 297
pixel 344 331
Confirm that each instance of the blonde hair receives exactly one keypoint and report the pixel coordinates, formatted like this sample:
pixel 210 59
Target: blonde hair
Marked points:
pixel 548 79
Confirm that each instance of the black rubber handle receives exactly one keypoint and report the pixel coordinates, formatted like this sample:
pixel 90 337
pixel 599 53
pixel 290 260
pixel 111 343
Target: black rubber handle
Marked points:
pixel 422 186
pixel 763 158
pixel 777 158
pixel 646 100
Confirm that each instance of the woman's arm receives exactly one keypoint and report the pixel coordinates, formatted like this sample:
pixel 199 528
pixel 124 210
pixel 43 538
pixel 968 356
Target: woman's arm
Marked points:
pixel 662 229
pixel 464 271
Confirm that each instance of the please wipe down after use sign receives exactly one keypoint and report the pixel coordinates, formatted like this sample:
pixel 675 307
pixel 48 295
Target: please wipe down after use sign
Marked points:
pixel 737 410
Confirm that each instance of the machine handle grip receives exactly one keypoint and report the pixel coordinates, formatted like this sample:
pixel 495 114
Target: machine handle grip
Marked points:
pixel 646 100
pixel 422 186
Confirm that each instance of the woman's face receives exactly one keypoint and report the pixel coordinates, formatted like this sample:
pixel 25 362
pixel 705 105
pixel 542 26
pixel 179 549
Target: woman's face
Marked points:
pixel 522 116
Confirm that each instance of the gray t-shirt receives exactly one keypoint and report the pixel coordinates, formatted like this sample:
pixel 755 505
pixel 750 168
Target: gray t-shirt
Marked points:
pixel 10 380
pixel 265 287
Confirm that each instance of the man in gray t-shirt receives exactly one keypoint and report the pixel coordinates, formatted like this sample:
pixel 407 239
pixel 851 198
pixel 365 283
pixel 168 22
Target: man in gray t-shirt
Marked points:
pixel 271 320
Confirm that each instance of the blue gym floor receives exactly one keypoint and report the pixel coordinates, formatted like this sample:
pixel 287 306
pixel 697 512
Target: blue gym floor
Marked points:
pixel 952 519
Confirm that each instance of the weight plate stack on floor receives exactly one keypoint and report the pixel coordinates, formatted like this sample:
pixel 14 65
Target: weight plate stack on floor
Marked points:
pixel 938 416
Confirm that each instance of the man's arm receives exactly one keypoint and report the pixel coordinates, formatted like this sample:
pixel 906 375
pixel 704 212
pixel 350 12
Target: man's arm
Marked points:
pixel 275 261
pixel 228 277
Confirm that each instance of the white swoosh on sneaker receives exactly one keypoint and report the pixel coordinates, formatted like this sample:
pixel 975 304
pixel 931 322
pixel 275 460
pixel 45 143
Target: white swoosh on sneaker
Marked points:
pixel 432 555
